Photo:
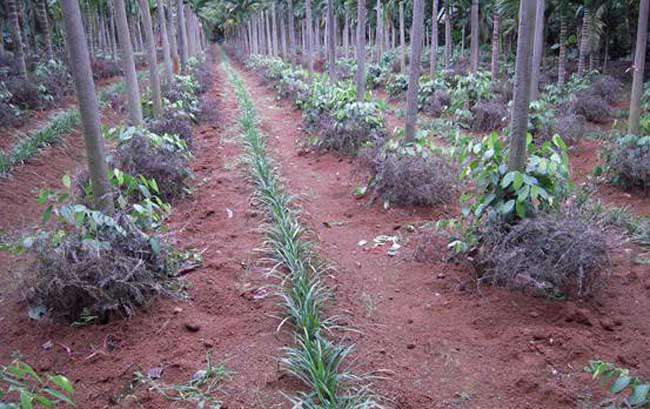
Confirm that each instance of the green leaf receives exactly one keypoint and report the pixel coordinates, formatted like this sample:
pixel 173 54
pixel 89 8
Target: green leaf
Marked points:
pixel 47 214
pixel 507 207
pixel 521 209
pixel 508 179
pixel 26 399
pixel 67 182
pixel 519 181
pixel 63 383
pixel 621 383
pixel 639 395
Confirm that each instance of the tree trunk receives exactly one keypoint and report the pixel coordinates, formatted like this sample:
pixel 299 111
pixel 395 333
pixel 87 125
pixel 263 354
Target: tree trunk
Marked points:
pixel 292 33
pixel 346 28
pixel 331 41
pixel 639 68
pixel 16 35
pixel 448 41
pixel 417 30
pixel 269 37
pixel 283 35
pixel 521 97
pixel 433 51
pixel 308 39
pixel 128 65
pixel 561 63
pixel 584 41
pixel 112 30
pixel 538 50
pixel 496 43
pixel 2 39
pixel 164 39
pixel 182 30
pixel 152 60
pixel 402 39
pixel 41 12
pixel 474 45
pixel 88 108
pixel 172 36
pixel 274 31
pixel 361 51
pixel 378 34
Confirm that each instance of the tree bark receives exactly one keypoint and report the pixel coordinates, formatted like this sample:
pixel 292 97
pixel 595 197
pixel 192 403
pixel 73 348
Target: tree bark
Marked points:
pixel 474 45
pixel 402 39
pixel 182 30
pixel 331 41
pixel 309 40
pixel 361 51
pixel 16 35
pixel 538 50
pixel 521 97
pixel 417 29
pixel 283 35
pixel 88 108
pixel 448 40
pixel 639 68
pixel 292 33
pixel 128 65
pixel 41 12
pixel 346 29
pixel 164 39
pixel 378 34
pixel 561 63
pixel 152 59
pixel 584 41
pixel 496 43
pixel 172 36
pixel 433 51
pixel 274 31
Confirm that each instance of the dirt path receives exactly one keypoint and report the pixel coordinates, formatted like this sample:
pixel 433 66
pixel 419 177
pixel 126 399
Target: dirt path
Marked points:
pixel 232 323
pixel 444 345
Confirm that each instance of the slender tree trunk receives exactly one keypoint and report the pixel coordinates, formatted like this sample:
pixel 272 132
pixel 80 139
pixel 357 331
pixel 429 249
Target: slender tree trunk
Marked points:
pixel 283 35
pixel 274 32
pixel 402 39
pixel 521 98
pixel 152 60
pixel 433 51
pixel 584 41
pixel 113 30
pixel 378 34
pixel 172 36
pixel 346 28
pixel 639 68
pixel 2 39
pixel 182 30
pixel 417 31
pixel 309 39
pixel 269 37
pixel 16 35
pixel 88 108
pixel 561 63
pixel 292 32
pixel 331 41
pixel 474 45
pixel 41 12
pixel 448 40
pixel 128 65
pixel 164 39
pixel 496 43
pixel 538 50
pixel 361 51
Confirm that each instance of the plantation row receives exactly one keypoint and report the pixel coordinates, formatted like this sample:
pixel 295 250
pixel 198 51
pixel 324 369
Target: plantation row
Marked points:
pixel 315 360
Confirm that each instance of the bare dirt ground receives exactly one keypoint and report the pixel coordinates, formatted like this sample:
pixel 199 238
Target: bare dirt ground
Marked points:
pixel 441 342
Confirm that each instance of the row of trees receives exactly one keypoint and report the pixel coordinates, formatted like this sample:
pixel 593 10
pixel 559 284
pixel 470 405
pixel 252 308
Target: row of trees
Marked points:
pixel 113 27
pixel 266 27
pixel 280 28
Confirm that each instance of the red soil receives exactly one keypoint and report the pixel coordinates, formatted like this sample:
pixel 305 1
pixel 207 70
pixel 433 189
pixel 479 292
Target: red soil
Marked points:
pixel 442 344
pixel 234 325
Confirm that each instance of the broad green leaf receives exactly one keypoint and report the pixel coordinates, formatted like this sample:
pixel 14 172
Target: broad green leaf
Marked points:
pixel 620 384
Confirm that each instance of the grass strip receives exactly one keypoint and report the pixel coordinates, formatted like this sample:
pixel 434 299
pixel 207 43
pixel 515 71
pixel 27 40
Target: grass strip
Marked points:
pixel 318 362
pixel 52 133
